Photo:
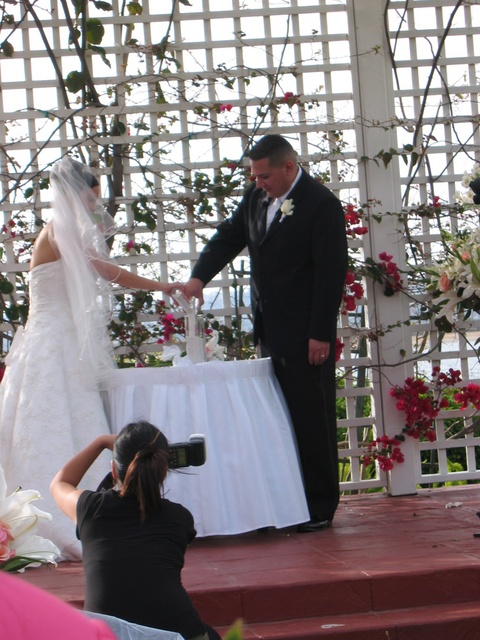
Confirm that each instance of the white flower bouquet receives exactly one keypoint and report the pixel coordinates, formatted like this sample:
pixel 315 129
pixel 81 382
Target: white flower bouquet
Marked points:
pixel 455 283
pixel 19 546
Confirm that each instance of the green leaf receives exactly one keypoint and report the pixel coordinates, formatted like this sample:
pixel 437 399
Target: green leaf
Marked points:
pixel 7 49
pixel 235 632
pixel 475 271
pixel 185 2
pixel 78 4
pixel 95 31
pixel 75 81
pixel 118 129
pixel 103 6
pixel 20 562
pixel 74 35
pixel 6 286
pixel 386 158
pixel 135 8
pixel 101 52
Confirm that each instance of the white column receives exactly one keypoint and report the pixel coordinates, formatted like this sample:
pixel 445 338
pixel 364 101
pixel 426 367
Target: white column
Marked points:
pixel 374 107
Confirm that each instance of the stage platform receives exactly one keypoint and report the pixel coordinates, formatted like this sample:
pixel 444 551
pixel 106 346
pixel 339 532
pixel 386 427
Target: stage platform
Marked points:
pixel 405 568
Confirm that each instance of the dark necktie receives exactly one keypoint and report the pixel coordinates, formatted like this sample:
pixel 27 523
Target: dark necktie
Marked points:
pixel 262 227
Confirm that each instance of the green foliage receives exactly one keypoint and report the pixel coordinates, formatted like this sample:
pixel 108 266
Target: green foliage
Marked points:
pixel 144 213
pixel 94 31
pixel 7 49
pixel 135 8
pixel 75 81
pixel 235 632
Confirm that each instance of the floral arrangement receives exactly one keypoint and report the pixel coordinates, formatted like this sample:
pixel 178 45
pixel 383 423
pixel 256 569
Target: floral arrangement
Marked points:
pixel 467 195
pixel 19 546
pixel 455 279
pixel 421 403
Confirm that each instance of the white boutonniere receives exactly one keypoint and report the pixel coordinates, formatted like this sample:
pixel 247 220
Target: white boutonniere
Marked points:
pixel 286 208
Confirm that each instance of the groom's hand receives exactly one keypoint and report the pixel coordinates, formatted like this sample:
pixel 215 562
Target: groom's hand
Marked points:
pixel 317 351
pixel 194 289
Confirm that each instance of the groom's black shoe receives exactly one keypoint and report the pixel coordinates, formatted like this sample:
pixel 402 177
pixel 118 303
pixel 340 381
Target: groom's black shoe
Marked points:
pixel 314 524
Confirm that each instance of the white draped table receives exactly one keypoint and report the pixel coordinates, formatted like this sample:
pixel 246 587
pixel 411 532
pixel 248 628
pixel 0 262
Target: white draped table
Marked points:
pixel 251 478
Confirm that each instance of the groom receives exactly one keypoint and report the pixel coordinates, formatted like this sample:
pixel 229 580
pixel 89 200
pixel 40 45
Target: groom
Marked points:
pixel 294 228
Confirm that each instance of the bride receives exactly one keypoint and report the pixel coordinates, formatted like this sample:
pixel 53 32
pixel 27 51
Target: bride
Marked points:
pixel 50 398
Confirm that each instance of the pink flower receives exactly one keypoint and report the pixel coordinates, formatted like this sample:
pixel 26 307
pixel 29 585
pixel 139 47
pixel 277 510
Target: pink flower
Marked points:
pixel 226 107
pixel 5 538
pixel 129 245
pixel 444 283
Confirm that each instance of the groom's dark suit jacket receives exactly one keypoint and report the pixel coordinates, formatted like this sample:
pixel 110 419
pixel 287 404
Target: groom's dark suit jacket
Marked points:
pixel 297 269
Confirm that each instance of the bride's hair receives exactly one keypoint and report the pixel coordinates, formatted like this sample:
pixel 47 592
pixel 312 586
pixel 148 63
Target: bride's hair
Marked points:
pixel 74 174
pixel 140 455
pixel 85 174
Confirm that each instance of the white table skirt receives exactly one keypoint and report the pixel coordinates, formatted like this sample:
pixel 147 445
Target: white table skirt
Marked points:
pixel 251 478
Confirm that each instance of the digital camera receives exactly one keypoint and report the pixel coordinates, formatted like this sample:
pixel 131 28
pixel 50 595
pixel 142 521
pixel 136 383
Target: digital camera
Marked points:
pixel 180 454
pixel 187 454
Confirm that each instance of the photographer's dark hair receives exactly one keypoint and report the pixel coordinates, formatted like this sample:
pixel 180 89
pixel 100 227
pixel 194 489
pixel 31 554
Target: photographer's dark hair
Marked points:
pixel 140 455
pixel 275 148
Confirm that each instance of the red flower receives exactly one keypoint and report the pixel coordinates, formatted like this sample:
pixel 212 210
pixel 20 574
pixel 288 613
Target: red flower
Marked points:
pixel 384 256
pixel 338 349
pixel 349 278
pixel 353 291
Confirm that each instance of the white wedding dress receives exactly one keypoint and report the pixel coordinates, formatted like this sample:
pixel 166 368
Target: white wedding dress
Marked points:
pixel 49 407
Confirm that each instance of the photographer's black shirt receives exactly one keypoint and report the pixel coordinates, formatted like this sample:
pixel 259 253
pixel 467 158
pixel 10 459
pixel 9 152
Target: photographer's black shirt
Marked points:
pixel 132 570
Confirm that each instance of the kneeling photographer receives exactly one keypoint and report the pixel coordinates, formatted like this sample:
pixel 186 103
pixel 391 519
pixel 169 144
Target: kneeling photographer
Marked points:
pixel 133 539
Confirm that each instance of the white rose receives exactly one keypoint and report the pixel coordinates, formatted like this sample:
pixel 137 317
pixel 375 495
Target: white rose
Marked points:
pixel 286 208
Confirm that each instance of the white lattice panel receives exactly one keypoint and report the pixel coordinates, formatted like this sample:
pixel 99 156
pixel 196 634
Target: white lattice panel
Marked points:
pixel 172 125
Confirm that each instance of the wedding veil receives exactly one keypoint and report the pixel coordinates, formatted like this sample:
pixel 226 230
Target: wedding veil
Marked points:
pixel 78 234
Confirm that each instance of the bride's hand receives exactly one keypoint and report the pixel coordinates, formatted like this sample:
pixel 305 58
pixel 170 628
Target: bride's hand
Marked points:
pixel 168 287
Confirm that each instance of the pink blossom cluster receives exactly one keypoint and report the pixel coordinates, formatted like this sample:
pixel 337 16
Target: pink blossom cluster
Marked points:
pixel 393 281
pixel 289 98
pixel 353 291
pixel 170 325
pixel 386 450
pixel 468 395
pixel 421 404
pixel 353 222
pixel 8 228
pixel 5 538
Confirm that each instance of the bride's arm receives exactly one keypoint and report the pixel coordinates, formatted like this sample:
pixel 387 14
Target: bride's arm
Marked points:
pixel 112 272
pixel 64 485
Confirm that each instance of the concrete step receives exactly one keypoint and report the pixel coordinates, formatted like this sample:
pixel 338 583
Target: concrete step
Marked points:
pixel 303 595
pixel 459 621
